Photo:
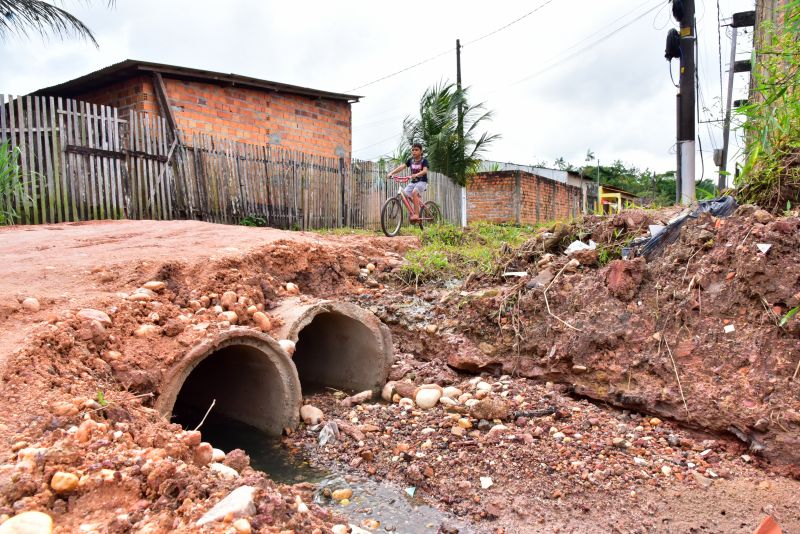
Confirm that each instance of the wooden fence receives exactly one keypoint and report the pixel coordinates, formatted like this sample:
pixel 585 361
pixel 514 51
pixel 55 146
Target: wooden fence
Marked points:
pixel 82 161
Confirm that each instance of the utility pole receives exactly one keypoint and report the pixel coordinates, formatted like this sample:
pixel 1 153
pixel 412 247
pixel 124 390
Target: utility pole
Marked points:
pixel 744 19
pixel 686 119
pixel 460 111
pixel 726 128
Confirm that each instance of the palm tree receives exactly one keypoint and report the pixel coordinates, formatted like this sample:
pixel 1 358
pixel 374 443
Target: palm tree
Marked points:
pixel 23 17
pixel 437 129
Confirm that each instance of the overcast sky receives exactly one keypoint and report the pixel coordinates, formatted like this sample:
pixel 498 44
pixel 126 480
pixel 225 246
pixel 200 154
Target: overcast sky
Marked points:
pixel 574 75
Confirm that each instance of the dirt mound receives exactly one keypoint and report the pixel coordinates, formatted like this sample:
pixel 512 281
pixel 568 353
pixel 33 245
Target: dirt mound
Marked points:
pixel 693 335
pixel 78 437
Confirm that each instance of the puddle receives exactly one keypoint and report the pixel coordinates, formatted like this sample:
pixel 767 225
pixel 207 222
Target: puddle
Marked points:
pixel 387 503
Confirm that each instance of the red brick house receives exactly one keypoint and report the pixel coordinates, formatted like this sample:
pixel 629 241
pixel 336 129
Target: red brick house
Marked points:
pixel 520 197
pixel 236 107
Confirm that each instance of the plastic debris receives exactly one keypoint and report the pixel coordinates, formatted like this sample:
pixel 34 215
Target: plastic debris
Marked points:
pixel 329 433
pixel 729 329
pixel 577 245
pixel 486 482
pixel 763 247
pixel 411 490
pixel 519 274
pixel 650 247
pixel 655 229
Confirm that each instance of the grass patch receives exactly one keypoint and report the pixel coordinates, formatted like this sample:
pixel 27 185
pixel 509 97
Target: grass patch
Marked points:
pixel 448 252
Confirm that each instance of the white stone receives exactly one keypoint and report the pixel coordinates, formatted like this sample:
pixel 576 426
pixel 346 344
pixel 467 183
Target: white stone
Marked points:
pixel 292 289
pixel 339 529
pixel 89 314
pixel 230 316
pixel 217 455
pixel 452 392
pixel 224 471
pixel 311 415
pixel 142 295
pixel 228 300
pixel 240 503
pixel 388 391
pixel 447 401
pixel 28 523
pixel 31 304
pixel 146 330
pixel 155 285
pixel 483 386
pixel 288 346
pixel 486 482
pixel 427 398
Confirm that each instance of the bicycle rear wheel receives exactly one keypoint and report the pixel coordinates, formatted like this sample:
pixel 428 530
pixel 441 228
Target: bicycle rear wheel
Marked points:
pixel 432 213
pixel 391 217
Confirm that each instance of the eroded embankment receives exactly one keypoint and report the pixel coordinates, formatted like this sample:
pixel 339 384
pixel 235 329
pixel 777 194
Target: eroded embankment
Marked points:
pixel 692 335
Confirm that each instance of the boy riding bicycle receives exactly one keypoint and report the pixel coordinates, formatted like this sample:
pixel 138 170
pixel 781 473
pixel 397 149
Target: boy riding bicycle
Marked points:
pixel 419 178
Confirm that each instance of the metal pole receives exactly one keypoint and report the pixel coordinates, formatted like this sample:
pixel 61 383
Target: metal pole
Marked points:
pixel 726 129
pixel 460 113
pixel 686 133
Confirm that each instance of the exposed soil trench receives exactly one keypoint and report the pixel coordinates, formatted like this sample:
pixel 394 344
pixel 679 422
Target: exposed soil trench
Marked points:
pixel 553 461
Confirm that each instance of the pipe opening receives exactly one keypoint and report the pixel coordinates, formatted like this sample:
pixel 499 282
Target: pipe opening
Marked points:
pixel 335 350
pixel 248 388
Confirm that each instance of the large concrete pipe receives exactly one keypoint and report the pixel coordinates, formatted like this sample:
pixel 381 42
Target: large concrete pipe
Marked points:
pixel 338 344
pixel 247 373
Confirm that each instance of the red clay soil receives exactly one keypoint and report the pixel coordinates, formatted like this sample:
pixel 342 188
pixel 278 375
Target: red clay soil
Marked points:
pixel 561 471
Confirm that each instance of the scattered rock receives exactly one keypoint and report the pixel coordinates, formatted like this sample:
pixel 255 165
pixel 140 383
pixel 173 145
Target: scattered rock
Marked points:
pixel 491 408
pixel 358 398
pixel 242 526
pixel 311 415
pixel 217 455
pixel 228 300
pixel 31 305
pixel 292 289
pixel 427 398
pixel 340 494
pixel 89 314
pixel 203 454
pixel 624 277
pixel 224 471
pixel 155 285
pixel 28 523
pixel 763 216
pixel 147 330
pixel 262 321
pixel 230 316
pixel 288 346
pixel 64 482
pixel 142 295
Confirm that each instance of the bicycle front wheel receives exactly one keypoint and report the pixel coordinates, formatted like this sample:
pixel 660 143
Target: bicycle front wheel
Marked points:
pixel 391 217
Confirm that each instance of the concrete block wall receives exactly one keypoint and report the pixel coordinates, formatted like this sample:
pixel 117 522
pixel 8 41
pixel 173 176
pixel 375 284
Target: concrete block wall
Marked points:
pixel 520 197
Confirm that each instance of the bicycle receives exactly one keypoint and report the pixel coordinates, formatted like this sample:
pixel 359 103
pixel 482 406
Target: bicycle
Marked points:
pixel 392 210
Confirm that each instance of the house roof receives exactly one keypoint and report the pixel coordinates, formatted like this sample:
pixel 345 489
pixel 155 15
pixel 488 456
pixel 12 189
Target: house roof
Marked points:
pixel 132 67
pixel 612 189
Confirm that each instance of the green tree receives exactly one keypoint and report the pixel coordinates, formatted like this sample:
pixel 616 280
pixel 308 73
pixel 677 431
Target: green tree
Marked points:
pixel 23 17
pixel 437 129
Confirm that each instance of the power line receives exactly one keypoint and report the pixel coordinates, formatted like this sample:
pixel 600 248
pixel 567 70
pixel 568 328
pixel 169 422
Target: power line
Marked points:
pixel 450 50
pixel 719 48
pixel 574 54
pixel 498 30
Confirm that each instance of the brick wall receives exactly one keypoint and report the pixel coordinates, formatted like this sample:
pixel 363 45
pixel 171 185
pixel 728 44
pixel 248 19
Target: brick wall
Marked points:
pixel 308 124
pixel 520 197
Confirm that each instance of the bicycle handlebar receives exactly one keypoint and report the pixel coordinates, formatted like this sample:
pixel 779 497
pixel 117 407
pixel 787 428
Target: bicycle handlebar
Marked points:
pixel 401 179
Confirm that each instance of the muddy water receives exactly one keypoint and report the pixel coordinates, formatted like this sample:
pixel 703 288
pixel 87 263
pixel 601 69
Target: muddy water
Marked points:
pixel 393 506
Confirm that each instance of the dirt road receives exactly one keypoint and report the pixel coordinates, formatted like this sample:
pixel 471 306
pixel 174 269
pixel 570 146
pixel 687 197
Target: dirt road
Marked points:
pixel 52 263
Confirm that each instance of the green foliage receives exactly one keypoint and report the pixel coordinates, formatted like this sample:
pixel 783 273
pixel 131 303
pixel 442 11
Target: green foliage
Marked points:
pixel 791 313
pixel 11 183
pixel 771 120
pixel 23 17
pixel 448 252
pixel 253 220
pixel 101 399
pixel 437 129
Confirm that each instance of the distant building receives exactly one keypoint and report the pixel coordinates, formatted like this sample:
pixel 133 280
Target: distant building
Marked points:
pixel 230 106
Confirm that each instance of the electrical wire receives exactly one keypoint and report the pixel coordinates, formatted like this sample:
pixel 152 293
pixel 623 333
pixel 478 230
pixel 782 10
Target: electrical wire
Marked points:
pixel 427 60
pixel 719 48
pixel 560 61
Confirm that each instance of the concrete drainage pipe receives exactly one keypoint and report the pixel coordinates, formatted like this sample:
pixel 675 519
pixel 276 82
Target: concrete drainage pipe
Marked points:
pixel 248 374
pixel 338 345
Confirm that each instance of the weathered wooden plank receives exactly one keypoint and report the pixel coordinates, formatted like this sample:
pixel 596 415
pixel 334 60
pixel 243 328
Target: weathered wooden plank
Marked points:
pixel 62 157
pixel 5 133
pixel 153 201
pixel 104 167
pixel 52 192
pixel 116 145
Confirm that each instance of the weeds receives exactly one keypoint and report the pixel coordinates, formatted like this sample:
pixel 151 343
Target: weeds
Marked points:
pixel 11 183
pixel 448 251
pixel 771 173
pixel 253 220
